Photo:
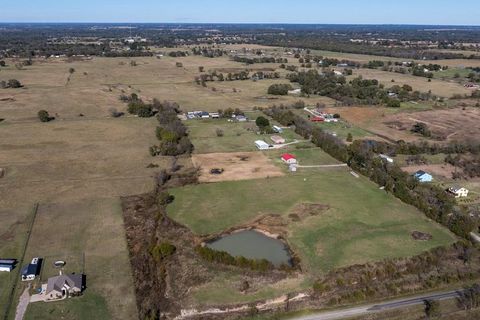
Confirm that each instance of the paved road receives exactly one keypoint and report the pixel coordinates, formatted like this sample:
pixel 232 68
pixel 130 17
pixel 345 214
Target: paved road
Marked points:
pixel 372 308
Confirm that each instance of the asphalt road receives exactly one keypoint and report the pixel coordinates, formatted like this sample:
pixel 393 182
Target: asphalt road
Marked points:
pixel 385 306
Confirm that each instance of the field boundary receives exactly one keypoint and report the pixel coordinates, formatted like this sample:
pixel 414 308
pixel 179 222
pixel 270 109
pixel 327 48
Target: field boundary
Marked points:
pixel 21 261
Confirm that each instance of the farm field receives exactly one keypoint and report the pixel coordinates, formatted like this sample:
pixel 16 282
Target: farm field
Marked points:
pixel 356 228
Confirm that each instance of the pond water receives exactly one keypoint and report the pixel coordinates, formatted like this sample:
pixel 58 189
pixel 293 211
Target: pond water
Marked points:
pixel 253 245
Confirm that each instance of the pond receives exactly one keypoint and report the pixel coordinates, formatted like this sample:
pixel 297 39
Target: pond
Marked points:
pixel 252 244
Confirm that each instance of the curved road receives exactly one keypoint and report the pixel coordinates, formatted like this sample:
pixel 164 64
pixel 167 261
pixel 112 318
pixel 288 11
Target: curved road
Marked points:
pixel 385 306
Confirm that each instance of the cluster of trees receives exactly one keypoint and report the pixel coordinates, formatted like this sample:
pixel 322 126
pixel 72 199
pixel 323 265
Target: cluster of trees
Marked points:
pixel 252 60
pixel 208 52
pixel 218 76
pixel 279 89
pixel 470 165
pixel 391 277
pixel 356 91
pixel 411 148
pixel 229 112
pixel 171 132
pixel 175 54
pixel 225 258
pixel 422 129
pixel 469 298
pixel 137 107
pixel 361 156
pixel 12 83
pixel 374 64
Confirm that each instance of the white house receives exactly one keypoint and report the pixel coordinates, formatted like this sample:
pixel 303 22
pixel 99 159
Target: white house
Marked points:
pixel 289 158
pixel 337 73
pixel 458 192
pixel 262 145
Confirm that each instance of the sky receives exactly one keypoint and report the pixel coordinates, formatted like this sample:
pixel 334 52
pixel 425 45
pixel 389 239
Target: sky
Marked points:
pixel 437 12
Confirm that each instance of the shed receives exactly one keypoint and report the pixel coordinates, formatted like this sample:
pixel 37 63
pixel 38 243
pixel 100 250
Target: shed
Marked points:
pixel 6 267
pixel 262 145
pixel 277 129
pixel 32 270
pixel 277 139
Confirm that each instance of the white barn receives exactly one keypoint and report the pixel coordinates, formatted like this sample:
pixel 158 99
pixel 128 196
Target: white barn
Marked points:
pixel 262 145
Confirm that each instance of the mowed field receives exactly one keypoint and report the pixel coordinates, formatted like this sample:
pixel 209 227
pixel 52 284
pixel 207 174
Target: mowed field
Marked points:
pixel 362 223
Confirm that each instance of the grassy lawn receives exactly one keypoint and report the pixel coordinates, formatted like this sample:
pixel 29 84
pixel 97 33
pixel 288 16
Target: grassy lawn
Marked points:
pixel 88 306
pixel 237 136
pixel 451 73
pixel 363 223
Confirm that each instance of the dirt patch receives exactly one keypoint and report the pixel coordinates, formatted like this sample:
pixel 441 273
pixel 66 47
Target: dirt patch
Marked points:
pixel 236 166
pixel 455 124
pixel 421 236
pixel 304 210
pixel 443 170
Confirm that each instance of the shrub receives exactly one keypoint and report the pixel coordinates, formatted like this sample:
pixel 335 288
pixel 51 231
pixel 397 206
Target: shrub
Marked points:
pixel 279 89
pixel 162 251
pixel 219 132
pixel 393 103
pixel 14 83
pixel 44 116
pixel 349 137
pixel 262 122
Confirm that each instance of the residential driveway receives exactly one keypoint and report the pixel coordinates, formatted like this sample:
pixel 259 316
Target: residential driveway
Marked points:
pixel 40 296
pixel 22 304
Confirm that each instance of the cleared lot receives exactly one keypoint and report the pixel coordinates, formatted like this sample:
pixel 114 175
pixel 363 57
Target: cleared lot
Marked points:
pixel 236 166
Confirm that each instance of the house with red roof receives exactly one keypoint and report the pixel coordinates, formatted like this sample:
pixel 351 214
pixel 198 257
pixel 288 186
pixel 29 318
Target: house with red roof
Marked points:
pixel 289 158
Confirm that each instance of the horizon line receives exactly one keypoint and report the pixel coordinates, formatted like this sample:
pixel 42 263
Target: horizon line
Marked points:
pixel 241 23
